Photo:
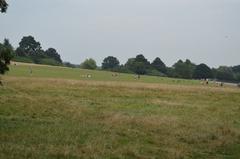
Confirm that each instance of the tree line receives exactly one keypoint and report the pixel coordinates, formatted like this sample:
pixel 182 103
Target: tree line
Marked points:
pixel 30 50
pixel 181 69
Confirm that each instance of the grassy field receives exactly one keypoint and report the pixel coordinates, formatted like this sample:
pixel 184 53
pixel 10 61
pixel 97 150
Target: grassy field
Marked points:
pixel 63 114
pixel 23 70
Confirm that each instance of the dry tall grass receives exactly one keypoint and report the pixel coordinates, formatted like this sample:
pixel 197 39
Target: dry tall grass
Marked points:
pixel 58 118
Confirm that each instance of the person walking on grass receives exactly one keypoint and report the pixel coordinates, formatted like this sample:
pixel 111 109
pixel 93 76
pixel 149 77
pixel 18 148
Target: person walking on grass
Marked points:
pixel 207 81
pixel 30 70
pixel 1 83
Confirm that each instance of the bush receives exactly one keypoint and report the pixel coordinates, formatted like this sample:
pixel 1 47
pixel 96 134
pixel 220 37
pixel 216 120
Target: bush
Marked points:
pixel 89 64
pixel 237 77
pixel 202 71
pixel 49 61
pixel 68 64
pixel 225 73
pixel 22 59
pixel 154 72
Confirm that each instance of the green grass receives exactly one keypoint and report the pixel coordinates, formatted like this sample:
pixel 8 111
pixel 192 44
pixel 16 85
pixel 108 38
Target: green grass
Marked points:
pixel 80 74
pixel 64 115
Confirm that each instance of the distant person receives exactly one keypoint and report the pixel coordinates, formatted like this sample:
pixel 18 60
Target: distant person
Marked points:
pixel 114 74
pixel 30 70
pixel 221 84
pixel 207 82
pixel 1 83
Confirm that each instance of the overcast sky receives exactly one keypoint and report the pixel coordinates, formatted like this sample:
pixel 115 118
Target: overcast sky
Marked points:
pixel 205 31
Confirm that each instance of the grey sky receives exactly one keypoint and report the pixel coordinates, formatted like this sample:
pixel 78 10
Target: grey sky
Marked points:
pixel 201 30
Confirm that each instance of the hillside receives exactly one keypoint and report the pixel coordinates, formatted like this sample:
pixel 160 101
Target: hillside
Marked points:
pixel 23 70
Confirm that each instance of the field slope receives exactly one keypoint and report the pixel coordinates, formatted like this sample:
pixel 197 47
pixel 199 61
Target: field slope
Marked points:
pixel 39 71
pixel 59 113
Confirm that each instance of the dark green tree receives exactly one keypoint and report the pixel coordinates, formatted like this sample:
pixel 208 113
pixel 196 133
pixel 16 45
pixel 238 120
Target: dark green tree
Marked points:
pixel 140 68
pixel 191 66
pixel 5 56
pixel 52 53
pixel 225 73
pixel 89 64
pixel 140 58
pixel 159 65
pixel 171 72
pixel 237 77
pixel 20 52
pixel 180 69
pixel 3 6
pixel 37 56
pixel 138 65
pixel 214 73
pixel 7 44
pixel 236 69
pixel 29 46
pixel 110 63
pixel 129 64
pixel 202 71
pixel 184 69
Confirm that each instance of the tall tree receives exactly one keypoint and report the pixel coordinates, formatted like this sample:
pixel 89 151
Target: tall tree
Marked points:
pixel 5 56
pixel 236 69
pixel 202 71
pixel 129 64
pixel 29 46
pixel 191 66
pixel 52 53
pixel 138 65
pixel 159 65
pixel 7 44
pixel 110 62
pixel 140 58
pixel 184 69
pixel 3 6
pixel 214 73
pixel 225 73
pixel 140 68
pixel 180 69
